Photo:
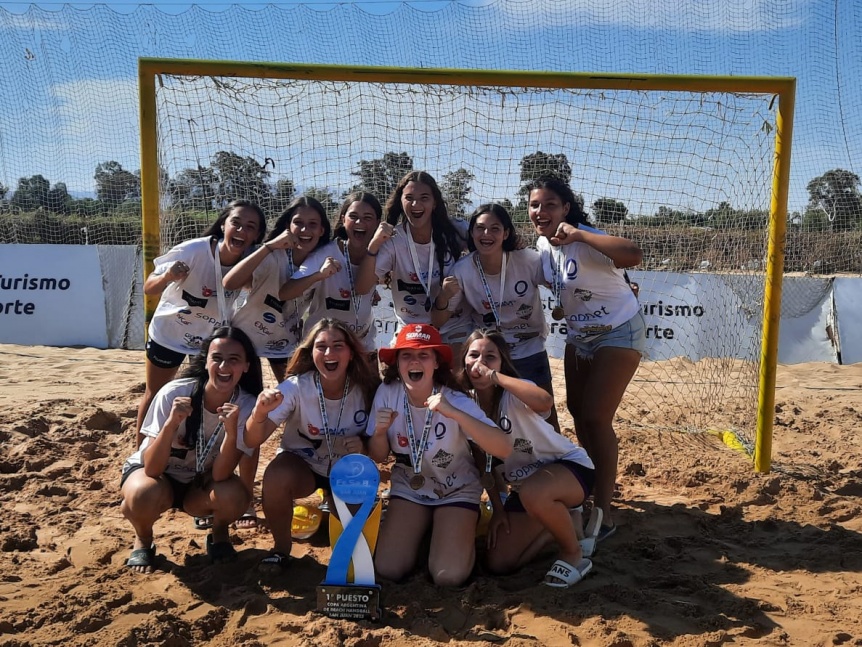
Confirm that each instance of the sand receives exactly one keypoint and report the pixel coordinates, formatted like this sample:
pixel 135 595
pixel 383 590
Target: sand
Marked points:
pixel 708 552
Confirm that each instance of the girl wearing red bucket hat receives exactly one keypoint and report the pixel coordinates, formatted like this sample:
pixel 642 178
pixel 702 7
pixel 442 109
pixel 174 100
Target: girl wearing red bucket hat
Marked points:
pixel 422 417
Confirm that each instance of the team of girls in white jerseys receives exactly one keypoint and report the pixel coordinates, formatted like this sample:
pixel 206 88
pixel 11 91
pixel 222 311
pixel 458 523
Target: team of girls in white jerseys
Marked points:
pixel 465 404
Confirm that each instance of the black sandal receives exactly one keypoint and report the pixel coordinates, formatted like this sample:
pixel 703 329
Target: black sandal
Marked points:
pixel 275 561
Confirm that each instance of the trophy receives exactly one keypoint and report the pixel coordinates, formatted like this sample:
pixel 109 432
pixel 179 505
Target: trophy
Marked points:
pixel 349 590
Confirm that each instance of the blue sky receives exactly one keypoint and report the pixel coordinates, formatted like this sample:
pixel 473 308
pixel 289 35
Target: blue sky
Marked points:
pixel 69 75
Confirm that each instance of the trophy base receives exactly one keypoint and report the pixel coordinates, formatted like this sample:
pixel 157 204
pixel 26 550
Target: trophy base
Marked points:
pixel 349 601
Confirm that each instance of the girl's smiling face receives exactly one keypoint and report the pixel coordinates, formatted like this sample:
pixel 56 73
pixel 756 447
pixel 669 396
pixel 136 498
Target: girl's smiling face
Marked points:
pixel 241 229
pixel 360 222
pixel 331 355
pixel 417 202
pixel 488 233
pixel 547 211
pixel 484 351
pixel 226 362
pixel 416 368
pixel 305 224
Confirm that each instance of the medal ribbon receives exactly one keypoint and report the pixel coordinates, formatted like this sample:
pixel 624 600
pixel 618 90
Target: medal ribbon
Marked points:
pixel 356 299
pixel 327 432
pixel 203 451
pixel 487 287
pixel 415 257
pixel 292 268
pixel 557 273
pixel 416 451
pixel 222 302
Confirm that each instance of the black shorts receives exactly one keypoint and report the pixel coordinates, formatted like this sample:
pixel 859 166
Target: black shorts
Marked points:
pixel 163 357
pixel 179 489
pixel 586 477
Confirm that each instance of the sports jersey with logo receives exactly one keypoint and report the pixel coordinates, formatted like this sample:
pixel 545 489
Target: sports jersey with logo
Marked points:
pixel 260 313
pixel 304 433
pixel 182 463
pixel 336 298
pixel 522 320
pixel 412 303
pixel 188 309
pixel 595 295
pixel 535 442
pixel 449 471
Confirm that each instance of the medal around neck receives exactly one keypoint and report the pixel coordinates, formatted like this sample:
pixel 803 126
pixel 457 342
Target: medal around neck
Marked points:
pixel 354 480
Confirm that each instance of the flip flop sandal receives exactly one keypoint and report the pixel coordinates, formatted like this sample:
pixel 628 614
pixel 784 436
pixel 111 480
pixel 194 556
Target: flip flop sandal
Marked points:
pixel 248 521
pixel 203 523
pixel 563 575
pixel 145 557
pixel 275 561
pixel 591 533
pixel 220 551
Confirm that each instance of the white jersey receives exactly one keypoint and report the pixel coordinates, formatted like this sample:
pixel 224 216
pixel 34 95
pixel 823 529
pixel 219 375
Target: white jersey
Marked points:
pixel 522 321
pixel 336 298
pixel 188 309
pixel 182 464
pixel 261 314
pixel 595 296
pixel 304 433
pixel 535 442
pixel 413 292
pixel 448 467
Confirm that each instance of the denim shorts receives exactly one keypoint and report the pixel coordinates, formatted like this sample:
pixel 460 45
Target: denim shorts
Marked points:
pixel 631 334
pixel 535 368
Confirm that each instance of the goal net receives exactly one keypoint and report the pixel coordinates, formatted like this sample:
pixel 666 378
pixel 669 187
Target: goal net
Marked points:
pixel 685 167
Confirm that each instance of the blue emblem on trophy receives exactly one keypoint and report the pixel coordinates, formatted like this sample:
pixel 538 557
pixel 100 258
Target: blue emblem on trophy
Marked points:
pixel 349 590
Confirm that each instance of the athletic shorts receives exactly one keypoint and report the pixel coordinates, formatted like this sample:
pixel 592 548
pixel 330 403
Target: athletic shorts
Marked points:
pixel 473 507
pixel 631 334
pixel 179 489
pixel 535 368
pixel 163 357
pixel 585 475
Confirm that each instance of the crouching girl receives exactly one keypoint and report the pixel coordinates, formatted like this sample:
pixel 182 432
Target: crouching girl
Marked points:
pixel 190 448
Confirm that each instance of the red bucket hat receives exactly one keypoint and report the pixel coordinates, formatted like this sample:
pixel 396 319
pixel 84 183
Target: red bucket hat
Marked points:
pixel 416 336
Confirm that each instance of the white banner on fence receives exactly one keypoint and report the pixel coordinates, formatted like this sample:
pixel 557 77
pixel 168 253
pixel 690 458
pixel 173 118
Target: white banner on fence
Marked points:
pixel 848 305
pixel 52 295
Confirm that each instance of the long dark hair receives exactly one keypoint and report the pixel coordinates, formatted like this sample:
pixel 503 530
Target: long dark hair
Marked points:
pixel 251 381
pixel 511 242
pixel 358 371
pixel 284 219
pixel 356 196
pixel 443 232
pixel 507 366
pixel 215 230
pixel 576 215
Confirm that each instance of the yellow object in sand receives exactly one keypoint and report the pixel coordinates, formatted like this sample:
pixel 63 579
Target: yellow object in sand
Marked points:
pixel 306 521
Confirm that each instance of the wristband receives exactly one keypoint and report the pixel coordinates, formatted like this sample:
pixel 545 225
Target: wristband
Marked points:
pixel 268 248
pixel 372 254
pixel 436 307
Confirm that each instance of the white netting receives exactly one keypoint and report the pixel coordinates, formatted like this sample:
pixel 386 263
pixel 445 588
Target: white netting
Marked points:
pixel 686 175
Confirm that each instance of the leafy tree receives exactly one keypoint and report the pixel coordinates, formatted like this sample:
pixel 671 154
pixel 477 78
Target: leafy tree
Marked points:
pixel 240 177
pixel 380 176
pixel 32 193
pixel 607 211
pixel 194 189
pixel 537 165
pixel 114 184
pixel 815 220
pixel 837 193
pixel 455 187
pixel 285 190
pixel 326 197
pixel 3 191
pixel 58 199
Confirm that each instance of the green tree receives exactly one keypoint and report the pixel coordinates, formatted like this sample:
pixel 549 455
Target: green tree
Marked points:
pixel 607 211
pixel 58 199
pixel 3 191
pixel 326 197
pixel 380 176
pixel 240 177
pixel 455 187
pixel 193 189
pixel 537 165
pixel 114 184
pixel 32 193
pixel 837 193
pixel 285 190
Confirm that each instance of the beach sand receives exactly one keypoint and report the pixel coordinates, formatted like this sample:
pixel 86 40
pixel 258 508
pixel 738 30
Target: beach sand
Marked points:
pixel 707 552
